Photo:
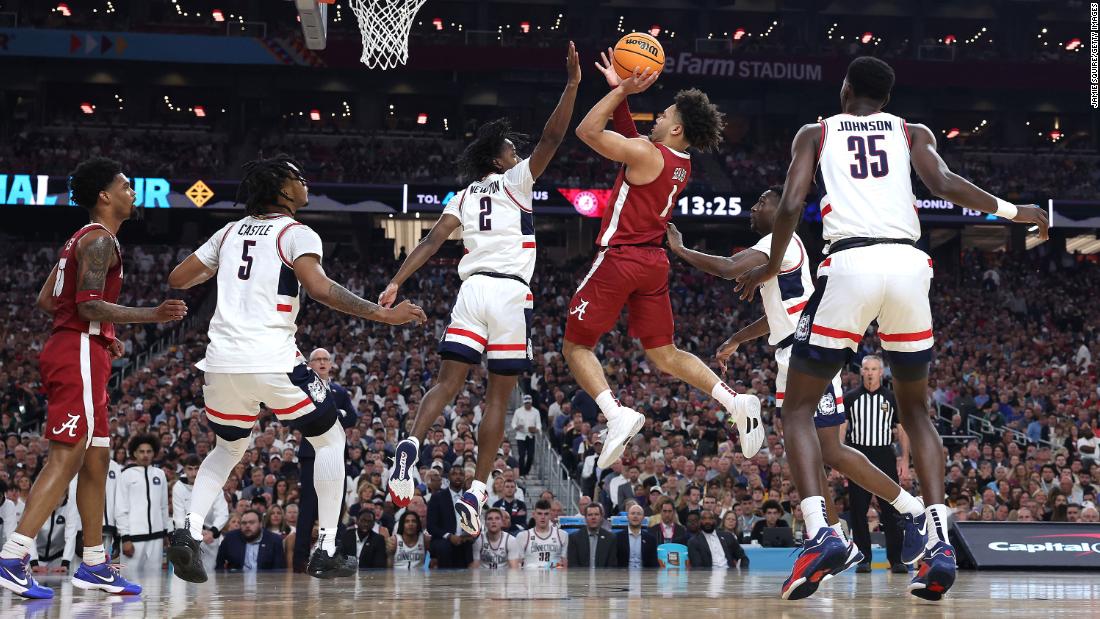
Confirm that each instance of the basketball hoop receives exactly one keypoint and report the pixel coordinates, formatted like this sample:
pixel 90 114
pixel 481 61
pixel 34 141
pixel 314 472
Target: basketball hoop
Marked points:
pixel 385 26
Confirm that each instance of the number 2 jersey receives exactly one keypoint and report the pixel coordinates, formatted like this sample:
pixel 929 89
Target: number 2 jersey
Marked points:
pixel 863 174
pixel 252 331
pixel 498 224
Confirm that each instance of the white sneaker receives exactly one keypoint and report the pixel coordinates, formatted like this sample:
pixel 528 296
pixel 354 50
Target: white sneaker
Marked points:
pixel 619 433
pixel 750 425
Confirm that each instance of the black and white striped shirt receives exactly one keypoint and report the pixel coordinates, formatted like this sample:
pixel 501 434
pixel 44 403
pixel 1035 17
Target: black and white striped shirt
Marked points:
pixel 872 416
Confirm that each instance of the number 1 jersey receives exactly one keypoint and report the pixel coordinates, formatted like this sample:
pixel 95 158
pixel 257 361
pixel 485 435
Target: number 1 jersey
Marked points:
pixel 253 327
pixel 863 174
pixel 498 224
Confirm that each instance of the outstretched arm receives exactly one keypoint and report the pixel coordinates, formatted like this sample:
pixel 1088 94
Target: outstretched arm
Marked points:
pixel 554 131
pixel 800 175
pixel 420 254
pixel 759 328
pixel 191 272
pixel 96 254
pixel 592 130
pixel 719 266
pixel 45 294
pixel 940 180
pixel 309 272
pixel 621 119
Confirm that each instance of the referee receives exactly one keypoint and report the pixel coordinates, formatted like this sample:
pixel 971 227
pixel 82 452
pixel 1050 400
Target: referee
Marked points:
pixel 872 417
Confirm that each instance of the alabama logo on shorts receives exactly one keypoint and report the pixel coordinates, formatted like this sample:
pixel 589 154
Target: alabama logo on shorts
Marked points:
pixel 317 390
pixel 827 405
pixel 802 333
pixel 580 310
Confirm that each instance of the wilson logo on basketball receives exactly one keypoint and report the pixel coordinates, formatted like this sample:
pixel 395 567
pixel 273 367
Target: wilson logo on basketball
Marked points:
pixel 645 45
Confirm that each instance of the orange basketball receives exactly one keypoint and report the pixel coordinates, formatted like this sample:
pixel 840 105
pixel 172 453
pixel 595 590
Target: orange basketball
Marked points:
pixel 638 50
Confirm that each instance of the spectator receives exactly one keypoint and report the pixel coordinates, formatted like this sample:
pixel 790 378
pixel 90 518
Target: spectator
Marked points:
pixel 410 546
pixel 636 546
pixel 527 424
pixel 364 543
pixel 513 506
pixel 251 548
pixel 495 549
pixel 450 546
pixel 772 519
pixel 668 529
pixel 592 546
pixel 715 549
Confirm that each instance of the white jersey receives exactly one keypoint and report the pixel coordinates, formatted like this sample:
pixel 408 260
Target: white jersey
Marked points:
pixel 253 328
pixel 785 295
pixel 496 556
pixel 142 503
pixel 863 166
pixel 541 553
pixel 409 557
pixel 498 225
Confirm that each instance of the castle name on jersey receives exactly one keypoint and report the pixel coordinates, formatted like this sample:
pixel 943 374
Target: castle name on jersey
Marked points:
pixel 865 125
pixel 254 230
pixel 492 187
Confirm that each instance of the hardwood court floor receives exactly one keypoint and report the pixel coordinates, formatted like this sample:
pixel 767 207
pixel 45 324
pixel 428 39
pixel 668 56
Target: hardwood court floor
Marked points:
pixel 570 594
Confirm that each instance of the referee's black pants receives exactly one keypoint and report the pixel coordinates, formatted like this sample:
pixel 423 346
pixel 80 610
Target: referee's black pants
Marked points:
pixel 860 502
pixel 308 513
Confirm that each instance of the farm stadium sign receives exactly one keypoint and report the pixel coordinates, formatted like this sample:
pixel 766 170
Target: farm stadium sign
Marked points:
pixel 688 63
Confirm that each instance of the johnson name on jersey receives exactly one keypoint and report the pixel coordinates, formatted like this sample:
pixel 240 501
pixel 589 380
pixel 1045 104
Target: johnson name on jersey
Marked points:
pixel 863 173
pixel 498 224
pixel 254 324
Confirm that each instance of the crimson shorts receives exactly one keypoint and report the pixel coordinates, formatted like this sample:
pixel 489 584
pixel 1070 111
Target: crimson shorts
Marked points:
pixel 75 367
pixel 632 276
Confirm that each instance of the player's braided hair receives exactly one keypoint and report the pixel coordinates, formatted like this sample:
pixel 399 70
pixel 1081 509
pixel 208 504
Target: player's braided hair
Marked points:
pixel 703 123
pixel 90 178
pixel 477 160
pixel 263 180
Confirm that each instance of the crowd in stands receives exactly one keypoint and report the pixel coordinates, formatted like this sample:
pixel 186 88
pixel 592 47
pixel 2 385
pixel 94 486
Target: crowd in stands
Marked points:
pixel 1014 389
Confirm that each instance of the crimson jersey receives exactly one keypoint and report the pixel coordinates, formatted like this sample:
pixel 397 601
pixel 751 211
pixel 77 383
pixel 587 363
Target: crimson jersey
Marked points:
pixel 66 294
pixel 639 214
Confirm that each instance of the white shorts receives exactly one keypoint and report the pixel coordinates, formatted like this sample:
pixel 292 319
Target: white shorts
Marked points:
pixel 830 409
pixel 492 315
pixel 856 286
pixel 233 400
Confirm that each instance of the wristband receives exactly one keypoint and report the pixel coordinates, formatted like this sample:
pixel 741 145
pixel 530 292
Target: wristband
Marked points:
pixel 1006 210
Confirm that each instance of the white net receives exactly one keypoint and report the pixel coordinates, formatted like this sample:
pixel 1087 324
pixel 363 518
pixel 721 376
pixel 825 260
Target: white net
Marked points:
pixel 385 26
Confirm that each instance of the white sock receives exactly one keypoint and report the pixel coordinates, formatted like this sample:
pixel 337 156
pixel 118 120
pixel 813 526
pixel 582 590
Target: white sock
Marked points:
pixel 328 478
pixel 477 487
pixel 839 530
pixel 906 503
pixel 17 546
pixel 725 395
pixel 608 405
pixel 213 473
pixel 937 524
pixel 94 555
pixel 813 510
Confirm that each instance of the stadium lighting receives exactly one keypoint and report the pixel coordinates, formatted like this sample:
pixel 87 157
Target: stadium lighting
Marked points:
pixel 525 26
pixel 87 108
pixel 200 111
pixel 64 10
pixel 438 23
pixel 866 38
pixel 1073 44
pixel 655 30
pixel 738 34
pixel 422 119
pixel 949 39
pixel 1055 135
pixel 218 15
pixel 315 114
pixel 953 133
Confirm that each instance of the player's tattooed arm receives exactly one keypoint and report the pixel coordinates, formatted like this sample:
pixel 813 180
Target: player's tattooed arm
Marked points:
pixel 96 255
pixel 307 268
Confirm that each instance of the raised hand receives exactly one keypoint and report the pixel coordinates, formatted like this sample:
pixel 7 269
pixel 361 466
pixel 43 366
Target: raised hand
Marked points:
pixel 603 65
pixel 573 65
pixel 640 81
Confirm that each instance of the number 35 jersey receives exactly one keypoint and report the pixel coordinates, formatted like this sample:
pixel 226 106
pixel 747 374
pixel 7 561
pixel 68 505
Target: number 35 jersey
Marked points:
pixel 498 224
pixel 864 176
pixel 252 331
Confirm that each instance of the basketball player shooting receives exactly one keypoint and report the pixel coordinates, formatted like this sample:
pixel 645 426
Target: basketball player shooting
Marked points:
pixel 262 261
pixel 492 314
pixel 82 294
pixel 631 268
pixel 873 271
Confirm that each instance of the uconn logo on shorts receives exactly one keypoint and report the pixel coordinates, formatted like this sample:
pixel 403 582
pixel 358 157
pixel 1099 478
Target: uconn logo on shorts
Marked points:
pixel 802 333
pixel 317 390
pixel 827 405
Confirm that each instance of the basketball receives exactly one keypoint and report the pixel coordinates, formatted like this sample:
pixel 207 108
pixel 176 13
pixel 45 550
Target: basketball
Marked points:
pixel 638 50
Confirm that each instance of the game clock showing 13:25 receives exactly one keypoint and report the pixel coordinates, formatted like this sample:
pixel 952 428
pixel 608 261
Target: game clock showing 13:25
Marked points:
pixel 711 206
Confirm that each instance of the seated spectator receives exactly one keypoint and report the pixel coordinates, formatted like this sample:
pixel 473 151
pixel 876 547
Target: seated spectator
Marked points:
pixel 772 518
pixel 362 542
pixel 715 549
pixel 275 521
pixel 636 546
pixel 592 546
pixel 251 548
pixel 668 529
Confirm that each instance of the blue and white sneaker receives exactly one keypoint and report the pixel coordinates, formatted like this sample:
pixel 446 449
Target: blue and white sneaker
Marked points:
pixel 468 509
pixel 936 573
pixel 401 484
pixel 15 576
pixel 916 538
pixel 104 577
pixel 820 556
pixel 855 557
